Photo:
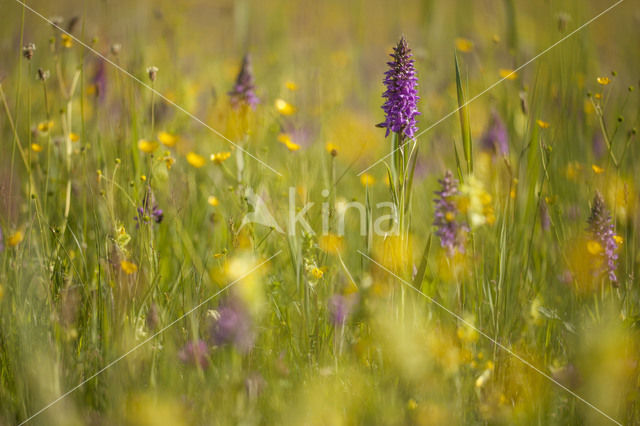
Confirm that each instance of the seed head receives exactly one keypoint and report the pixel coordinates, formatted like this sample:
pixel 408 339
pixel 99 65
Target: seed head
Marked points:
pixel 28 50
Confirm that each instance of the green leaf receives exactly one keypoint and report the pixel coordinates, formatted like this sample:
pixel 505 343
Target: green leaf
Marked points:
pixel 463 111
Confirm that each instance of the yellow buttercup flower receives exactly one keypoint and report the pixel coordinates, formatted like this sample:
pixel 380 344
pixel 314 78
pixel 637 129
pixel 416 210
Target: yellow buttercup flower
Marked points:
pixel 128 267
pixel 603 80
pixel 331 148
pixel 594 247
pixel 597 170
pixel 74 137
pixel 147 146
pixel 317 272
pixel 213 201
pixel 220 157
pixel 45 126
pixel 508 74
pixel 15 238
pixel 167 139
pixel 543 124
pixel 618 239
pixel 195 160
pixel 286 140
pixel 36 147
pixel 331 243
pixel 367 180
pixel 67 41
pixel 284 107
pixel 291 85
pixel 464 44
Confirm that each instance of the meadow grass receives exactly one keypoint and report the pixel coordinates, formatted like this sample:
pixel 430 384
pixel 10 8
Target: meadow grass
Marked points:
pixel 149 269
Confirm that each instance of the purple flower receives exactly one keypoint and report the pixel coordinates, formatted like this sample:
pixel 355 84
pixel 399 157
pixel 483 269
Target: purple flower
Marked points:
pixel 601 228
pixel 450 230
pixel 233 326
pixel 1 240
pixel 149 209
pixel 401 94
pixel 495 138
pixel 339 308
pixel 195 353
pixel 243 92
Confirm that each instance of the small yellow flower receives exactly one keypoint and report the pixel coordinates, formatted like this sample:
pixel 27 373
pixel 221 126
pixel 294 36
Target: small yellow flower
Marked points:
pixel 594 247
pixel 45 126
pixel 367 180
pixel 15 239
pixel 213 201
pixel 147 146
pixel 67 41
pixel 464 44
pixel 128 267
pixel 618 239
pixel 508 74
pixel 543 124
pixel 291 85
pixel 598 96
pixel 169 160
pixel 286 140
pixel 603 80
pixel 195 160
pixel 143 178
pixel 35 147
pixel 284 107
pixel 597 170
pixel 74 137
pixel 220 157
pixel 167 139
pixel 317 273
pixel 331 148
pixel 412 404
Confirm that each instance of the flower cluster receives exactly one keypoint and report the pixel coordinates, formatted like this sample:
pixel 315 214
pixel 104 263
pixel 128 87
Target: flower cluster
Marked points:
pixel 601 228
pixel 233 325
pixel 450 231
pixel 243 92
pixel 401 94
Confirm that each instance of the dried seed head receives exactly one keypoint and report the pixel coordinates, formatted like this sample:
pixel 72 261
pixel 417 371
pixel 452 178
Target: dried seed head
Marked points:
pixel 28 50
pixel 153 73
pixel 56 21
pixel 43 74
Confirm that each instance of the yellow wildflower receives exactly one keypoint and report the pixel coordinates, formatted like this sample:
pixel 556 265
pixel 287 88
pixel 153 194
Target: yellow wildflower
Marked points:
pixel 284 107
pixel 36 147
pixel 464 44
pixel 508 74
pixel 603 80
pixel 618 239
pixel 128 267
pixel 213 201
pixel 367 180
pixel 331 148
pixel 594 247
pixel 291 85
pixel 45 126
pixel 147 146
pixel 74 137
pixel 331 243
pixel 543 124
pixel 597 170
pixel 67 41
pixel 286 140
pixel 167 139
pixel 195 160
pixel 15 238
pixel 220 157
pixel 317 272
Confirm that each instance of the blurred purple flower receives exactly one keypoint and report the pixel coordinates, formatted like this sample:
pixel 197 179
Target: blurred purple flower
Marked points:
pixel 99 80
pixel 601 228
pixel 1 240
pixel 243 92
pixel 339 308
pixel 450 230
pixel 233 326
pixel 149 209
pixel 195 353
pixel 495 138
pixel 401 94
